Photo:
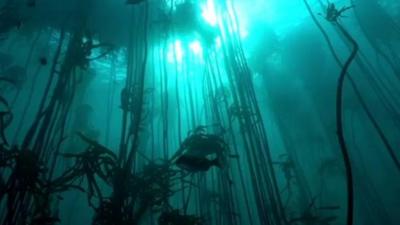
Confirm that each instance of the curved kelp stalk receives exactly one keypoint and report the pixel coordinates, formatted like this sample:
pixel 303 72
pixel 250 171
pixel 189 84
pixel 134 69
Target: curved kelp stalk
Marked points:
pixel 363 103
pixel 339 125
pixel 339 103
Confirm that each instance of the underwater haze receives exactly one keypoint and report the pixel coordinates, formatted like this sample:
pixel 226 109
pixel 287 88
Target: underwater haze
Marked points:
pixel 199 112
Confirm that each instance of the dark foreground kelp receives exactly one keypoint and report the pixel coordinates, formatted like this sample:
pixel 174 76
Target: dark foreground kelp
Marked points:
pixel 206 112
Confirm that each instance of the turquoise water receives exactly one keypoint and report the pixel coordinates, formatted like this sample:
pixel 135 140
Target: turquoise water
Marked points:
pixel 199 112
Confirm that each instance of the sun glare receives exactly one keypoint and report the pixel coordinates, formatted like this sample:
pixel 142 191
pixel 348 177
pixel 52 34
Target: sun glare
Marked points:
pixel 208 13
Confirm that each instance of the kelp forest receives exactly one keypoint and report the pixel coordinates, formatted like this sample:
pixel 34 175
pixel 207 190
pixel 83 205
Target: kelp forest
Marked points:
pixel 199 112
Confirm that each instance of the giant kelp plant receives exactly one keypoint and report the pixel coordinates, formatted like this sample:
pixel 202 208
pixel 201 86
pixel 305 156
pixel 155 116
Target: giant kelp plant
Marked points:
pixel 196 112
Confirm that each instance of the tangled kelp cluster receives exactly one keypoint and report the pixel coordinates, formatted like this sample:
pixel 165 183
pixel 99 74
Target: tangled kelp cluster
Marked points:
pixel 191 112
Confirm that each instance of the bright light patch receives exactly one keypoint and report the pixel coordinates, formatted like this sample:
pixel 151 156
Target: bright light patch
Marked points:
pixel 175 52
pixel 195 46
pixel 218 42
pixel 208 13
pixel 243 33
pixel 178 50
